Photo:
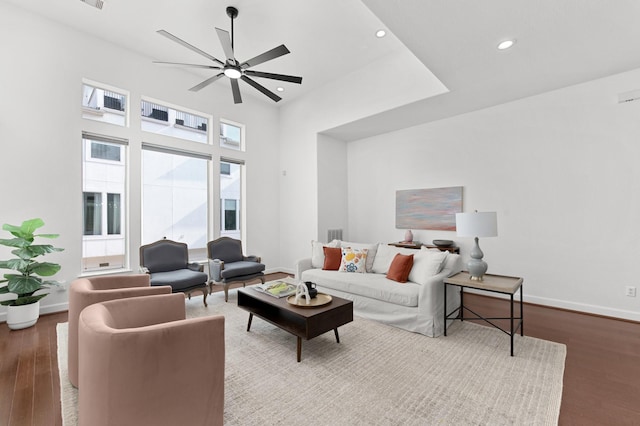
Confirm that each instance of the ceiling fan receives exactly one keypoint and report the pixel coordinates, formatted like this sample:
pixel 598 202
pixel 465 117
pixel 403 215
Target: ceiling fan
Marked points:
pixel 231 67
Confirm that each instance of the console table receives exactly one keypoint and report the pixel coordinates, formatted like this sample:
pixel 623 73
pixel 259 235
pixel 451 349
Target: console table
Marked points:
pixel 417 245
pixel 491 283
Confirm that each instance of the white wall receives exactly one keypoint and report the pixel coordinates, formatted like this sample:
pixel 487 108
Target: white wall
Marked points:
pixel 332 186
pixel 561 169
pixel 359 94
pixel 41 125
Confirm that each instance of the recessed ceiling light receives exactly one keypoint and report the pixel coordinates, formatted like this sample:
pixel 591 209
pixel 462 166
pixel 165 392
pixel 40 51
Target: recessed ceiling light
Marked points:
pixel 503 45
pixel 280 89
pixel 381 33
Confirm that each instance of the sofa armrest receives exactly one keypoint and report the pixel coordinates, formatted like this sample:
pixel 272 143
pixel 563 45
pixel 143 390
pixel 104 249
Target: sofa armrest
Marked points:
pixel 302 265
pixel 256 259
pixel 215 269
pixel 431 298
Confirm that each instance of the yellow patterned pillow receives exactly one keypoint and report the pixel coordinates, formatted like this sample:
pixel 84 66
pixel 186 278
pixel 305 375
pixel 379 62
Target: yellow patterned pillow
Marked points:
pixel 353 260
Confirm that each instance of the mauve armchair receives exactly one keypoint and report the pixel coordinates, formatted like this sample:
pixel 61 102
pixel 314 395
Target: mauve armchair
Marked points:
pixel 87 291
pixel 143 363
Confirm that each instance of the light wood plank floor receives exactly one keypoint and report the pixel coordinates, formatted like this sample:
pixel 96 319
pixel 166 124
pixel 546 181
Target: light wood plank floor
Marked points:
pixel 601 380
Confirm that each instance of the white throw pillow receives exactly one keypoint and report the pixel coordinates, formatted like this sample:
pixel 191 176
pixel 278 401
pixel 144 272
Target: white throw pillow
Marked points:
pixel 317 253
pixel 371 251
pixel 385 255
pixel 427 263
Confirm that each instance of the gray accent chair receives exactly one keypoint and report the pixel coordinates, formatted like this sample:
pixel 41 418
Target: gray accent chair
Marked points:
pixel 167 263
pixel 227 264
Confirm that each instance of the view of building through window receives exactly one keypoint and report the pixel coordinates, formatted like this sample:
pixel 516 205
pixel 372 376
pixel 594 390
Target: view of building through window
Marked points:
pixel 176 183
pixel 230 198
pixel 174 200
pixel 162 119
pixel 231 135
pixel 103 186
pixel 103 105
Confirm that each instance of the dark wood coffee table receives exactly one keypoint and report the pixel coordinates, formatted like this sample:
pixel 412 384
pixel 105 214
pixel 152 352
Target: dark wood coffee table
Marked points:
pixel 304 323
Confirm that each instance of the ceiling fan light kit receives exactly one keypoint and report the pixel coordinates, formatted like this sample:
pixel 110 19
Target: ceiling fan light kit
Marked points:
pixel 231 67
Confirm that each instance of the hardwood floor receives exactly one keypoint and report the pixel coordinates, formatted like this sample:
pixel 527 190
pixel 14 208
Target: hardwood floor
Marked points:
pixel 601 379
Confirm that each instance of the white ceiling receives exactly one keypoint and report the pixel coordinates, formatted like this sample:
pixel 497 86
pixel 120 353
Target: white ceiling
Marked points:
pixel 559 43
pixel 325 37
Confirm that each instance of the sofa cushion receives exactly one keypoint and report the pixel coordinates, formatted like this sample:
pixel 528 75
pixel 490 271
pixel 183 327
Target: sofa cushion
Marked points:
pixel 400 268
pixel 385 255
pixel 373 286
pixel 371 251
pixel 353 260
pixel 317 252
pixel 427 263
pixel 332 258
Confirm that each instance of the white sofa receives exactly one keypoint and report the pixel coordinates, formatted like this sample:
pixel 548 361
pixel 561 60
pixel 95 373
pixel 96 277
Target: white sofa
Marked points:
pixel 417 305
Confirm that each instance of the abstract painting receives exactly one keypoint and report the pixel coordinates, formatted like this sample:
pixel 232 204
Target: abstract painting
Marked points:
pixel 432 208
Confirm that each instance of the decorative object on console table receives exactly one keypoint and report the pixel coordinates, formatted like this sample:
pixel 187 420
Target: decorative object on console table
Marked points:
pixel 484 224
pixel 408 236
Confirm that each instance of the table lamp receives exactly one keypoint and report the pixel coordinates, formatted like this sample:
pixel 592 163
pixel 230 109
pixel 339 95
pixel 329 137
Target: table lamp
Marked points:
pixel 477 224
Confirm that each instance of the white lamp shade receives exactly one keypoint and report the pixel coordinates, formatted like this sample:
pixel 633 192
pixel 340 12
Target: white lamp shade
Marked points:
pixel 477 224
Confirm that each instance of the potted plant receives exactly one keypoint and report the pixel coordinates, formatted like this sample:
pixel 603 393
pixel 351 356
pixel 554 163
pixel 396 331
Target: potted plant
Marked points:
pixel 24 311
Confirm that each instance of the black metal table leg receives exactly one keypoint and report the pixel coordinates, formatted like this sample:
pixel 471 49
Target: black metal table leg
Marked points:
pixel 445 309
pixel 461 314
pixel 512 333
pixel 521 312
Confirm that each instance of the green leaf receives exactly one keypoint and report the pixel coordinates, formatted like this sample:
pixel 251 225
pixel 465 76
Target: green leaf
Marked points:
pixel 39 250
pixel 15 264
pixel 15 242
pixel 20 284
pixel 23 300
pixel 47 235
pixel 45 269
pixel 4 289
pixel 26 229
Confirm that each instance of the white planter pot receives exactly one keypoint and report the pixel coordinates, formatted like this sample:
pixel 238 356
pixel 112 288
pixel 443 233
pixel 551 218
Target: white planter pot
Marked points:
pixel 23 316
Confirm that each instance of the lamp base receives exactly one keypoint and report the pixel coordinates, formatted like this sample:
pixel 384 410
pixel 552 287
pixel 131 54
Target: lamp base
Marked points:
pixel 477 268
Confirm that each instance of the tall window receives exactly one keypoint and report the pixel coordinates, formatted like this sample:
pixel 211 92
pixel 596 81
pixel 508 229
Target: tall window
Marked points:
pixel 103 193
pixel 230 198
pixel 175 198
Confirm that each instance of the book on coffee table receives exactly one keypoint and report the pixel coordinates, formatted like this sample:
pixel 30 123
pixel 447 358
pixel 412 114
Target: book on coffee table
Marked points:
pixel 277 288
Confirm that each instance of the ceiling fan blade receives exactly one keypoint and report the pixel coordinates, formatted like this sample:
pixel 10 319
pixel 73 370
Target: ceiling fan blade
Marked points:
pixel 211 67
pixel 188 46
pixel 261 88
pixel 206 82
pixel 276 52
pixel 225 41
pixel 281 77
pixel 235 88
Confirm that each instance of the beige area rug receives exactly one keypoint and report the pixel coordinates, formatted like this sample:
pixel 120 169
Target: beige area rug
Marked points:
pixel 377 375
